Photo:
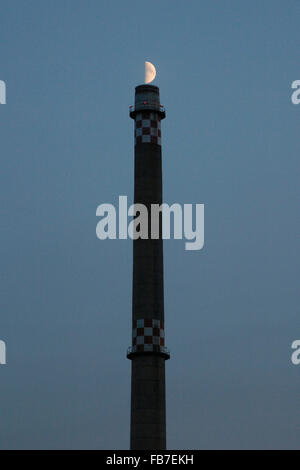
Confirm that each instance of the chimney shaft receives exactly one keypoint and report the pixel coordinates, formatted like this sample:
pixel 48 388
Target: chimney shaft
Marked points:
pixel 148 352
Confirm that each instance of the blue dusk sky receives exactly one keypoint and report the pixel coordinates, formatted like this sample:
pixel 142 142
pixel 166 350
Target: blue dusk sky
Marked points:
pixel 230 141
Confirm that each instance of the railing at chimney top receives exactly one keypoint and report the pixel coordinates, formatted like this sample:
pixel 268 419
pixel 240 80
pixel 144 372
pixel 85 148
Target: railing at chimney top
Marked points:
pixel 146 104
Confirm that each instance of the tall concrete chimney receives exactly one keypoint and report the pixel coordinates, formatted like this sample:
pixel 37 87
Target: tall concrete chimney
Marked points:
pixel 148 352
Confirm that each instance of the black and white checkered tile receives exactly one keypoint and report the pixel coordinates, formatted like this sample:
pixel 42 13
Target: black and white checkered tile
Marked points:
pixel 148 335
pixel 148 128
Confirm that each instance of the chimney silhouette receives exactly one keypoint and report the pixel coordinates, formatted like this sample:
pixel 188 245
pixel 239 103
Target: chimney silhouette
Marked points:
pixel 148 352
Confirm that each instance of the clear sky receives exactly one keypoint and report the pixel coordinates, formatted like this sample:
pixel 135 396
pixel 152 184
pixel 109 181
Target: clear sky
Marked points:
pixel 230 141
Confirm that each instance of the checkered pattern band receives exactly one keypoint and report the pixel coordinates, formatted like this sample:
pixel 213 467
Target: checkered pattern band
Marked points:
pixel 147 128
pixel 148 335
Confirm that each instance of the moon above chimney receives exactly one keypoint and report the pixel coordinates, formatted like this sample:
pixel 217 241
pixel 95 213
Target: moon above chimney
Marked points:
pixel 150 72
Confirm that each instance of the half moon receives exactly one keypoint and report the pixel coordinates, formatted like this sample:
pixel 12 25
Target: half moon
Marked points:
pixel 150 72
